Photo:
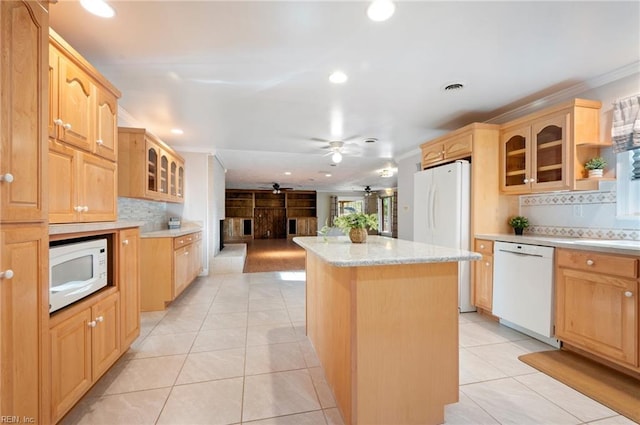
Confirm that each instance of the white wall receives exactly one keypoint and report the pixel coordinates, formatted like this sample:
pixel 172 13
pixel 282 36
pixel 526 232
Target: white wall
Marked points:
pixel 217 182
pixel 407 166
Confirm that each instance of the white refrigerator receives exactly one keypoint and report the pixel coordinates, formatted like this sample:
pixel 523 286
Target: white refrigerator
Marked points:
pixel 441 216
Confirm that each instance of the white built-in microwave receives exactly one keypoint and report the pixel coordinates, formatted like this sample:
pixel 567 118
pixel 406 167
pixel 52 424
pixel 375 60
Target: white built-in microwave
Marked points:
pixel 76 270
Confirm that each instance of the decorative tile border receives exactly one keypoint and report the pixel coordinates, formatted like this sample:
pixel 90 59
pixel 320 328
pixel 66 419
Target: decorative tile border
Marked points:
pixel 584 232
pixel 568 198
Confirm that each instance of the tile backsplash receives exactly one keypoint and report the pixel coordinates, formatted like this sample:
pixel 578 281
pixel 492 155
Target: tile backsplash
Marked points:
pixel 580 214
pixel 154 214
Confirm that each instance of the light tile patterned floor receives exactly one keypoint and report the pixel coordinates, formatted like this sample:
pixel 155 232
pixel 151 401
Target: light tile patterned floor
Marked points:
pixel 232 350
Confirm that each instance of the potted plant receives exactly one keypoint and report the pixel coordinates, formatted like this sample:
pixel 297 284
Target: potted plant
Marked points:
pixel 356 224
pixel 519 223
pixel 595 166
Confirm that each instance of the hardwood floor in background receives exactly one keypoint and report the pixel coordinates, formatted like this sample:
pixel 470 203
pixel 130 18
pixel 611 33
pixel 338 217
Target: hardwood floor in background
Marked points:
pixel 269 255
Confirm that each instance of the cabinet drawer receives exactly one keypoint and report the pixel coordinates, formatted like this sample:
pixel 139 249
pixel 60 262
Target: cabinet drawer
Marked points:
pixel 597 262
pixel 483 246
pixel 185 240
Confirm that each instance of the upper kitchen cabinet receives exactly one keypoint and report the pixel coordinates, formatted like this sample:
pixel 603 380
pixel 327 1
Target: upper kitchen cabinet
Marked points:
pixel 23 106
pixel 546 151
pixel 82 138
pixel 148 168
pixel 447 148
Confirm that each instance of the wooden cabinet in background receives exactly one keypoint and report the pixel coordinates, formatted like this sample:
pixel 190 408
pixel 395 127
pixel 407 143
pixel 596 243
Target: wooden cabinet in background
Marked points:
pixel 237 229
pixel 546 151
pixel 129 285
pixel 483 275
pixel 302 226
pixel 24 242
pixel 83 346
pixel 168 265
pixel 597 304
pixel 148 168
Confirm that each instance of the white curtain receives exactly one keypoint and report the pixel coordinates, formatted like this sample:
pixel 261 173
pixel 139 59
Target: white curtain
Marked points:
pixel 625 130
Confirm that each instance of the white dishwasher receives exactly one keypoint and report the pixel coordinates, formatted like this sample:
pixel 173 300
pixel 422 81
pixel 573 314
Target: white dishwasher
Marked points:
pixel 523 296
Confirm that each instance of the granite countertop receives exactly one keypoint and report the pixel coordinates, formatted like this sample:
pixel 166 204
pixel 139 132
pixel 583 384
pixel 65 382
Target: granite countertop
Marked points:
pixel 379 250
pixel 185 229
pixel 613 246
pixel 61 229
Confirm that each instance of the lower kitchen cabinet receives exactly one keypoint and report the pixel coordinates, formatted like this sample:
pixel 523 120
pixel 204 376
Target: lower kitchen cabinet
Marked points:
pixel 168 266
pixel 597 304
pixel 84 344
pixel 129 285
pixel 483 275
pixel 23 287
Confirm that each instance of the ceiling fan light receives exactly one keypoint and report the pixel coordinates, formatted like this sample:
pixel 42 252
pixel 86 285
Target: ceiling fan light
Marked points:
pixel 338 77
pixel 98 7
pixel 381 10
pixel 336 157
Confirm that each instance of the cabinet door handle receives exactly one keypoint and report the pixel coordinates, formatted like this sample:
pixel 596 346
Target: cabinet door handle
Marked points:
pixel 99 142
pixel 590 262
pixel 85 208
pixel 67 126
pixel 481 246
pixel 186 253
pixel 58 121
pixel 125 242
pixel 6 178
pixel 7 274
pixel 92 324
pixel 100 319
pixel 628 294
pixel 78 208
pixel 487 264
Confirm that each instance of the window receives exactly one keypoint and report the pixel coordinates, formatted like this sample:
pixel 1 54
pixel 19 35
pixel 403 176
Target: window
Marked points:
pixel 628 191
pixel 386 215
pixel 351 206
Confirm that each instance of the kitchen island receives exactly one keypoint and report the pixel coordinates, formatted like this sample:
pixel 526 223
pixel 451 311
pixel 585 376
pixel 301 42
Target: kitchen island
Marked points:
pixel 383 319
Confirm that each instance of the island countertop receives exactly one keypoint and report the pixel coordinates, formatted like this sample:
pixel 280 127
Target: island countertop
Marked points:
pixel 339 251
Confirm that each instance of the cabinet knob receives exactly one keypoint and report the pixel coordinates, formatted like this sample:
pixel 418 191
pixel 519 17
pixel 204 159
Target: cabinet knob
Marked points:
pixel 186 253
pixel 92 324
pixel 125 242
pixel 7 274
pixel 6 178
pixel 525 181
pixel 58 121
pixel 100 142
pixel 628 294
pixel 181 241
pixel 67 126
pixel 487 264
pixel 85 208
pixel 481 246
pixel 100 319
pixel 590 263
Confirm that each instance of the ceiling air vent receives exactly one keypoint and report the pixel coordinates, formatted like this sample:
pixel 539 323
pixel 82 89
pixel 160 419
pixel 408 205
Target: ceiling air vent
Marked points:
pixel 453 87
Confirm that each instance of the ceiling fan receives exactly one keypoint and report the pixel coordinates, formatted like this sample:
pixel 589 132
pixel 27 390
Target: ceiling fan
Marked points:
pixel 338 148
pixel 275 188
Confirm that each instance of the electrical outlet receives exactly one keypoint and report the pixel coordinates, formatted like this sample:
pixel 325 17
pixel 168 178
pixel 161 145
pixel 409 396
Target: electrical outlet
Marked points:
pixel 577 210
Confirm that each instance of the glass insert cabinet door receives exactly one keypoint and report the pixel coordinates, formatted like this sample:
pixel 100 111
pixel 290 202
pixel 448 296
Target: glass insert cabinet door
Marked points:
pixel 152 169
pixel 549 153
pixel 516 159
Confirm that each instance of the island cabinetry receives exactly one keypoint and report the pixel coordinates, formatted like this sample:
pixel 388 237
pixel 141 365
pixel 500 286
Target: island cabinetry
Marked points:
pixel 148 168
pixel 84 344
pixel 483 275
pixel 168 265
pixel 24 255
pixel 597 304
pixel 546 151
pixel 82 138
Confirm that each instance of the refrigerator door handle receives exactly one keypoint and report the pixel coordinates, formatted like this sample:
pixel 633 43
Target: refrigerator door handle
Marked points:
pixel 433 208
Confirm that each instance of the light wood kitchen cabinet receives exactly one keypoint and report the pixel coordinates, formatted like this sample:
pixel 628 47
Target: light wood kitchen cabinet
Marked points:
pixel 483 275
pixel 24 243
pixel 546 151
pixel 168 265
pixel 82 187
pixel 129 285
pixel 82 138
pixel 446 149
pixel 597 304
pixel 83 346
pixel 148 168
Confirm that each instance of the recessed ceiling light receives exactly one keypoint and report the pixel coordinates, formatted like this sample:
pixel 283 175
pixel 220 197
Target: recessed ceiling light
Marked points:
pixel 338 77
pixel 381 10
pixel 328 175
pixel 98 7
pixel 386 173
pixel 177 131
pixel 287 173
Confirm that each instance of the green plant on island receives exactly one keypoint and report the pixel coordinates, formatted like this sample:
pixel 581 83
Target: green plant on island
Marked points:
pixel 597 163
pixel 356 221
